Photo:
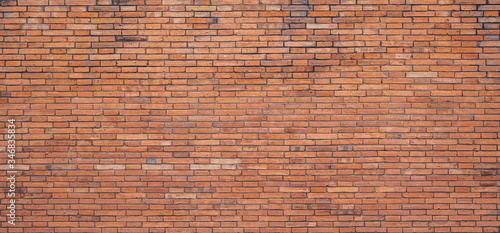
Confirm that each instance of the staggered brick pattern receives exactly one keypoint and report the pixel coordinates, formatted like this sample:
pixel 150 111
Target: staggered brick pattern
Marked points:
pixel 252 115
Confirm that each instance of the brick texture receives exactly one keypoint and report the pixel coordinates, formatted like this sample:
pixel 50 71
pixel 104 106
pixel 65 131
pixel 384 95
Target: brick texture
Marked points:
pixel 252 115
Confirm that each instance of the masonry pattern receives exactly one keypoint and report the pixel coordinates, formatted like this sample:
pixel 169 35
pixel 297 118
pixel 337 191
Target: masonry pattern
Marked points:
pixel 252 115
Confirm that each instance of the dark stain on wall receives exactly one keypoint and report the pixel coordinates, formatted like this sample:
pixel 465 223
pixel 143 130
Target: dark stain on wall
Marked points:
pixel 130 38
pixel 120 2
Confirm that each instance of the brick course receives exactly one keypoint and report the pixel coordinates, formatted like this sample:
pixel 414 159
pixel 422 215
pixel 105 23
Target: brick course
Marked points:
pixel 252 115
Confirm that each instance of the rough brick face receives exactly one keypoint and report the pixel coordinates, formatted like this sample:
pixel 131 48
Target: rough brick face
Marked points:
pixel 252 115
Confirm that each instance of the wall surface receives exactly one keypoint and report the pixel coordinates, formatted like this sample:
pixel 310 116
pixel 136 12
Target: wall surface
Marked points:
pixel 251 115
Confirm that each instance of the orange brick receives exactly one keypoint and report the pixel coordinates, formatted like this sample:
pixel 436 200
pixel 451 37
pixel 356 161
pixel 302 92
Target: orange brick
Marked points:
pixel 252 116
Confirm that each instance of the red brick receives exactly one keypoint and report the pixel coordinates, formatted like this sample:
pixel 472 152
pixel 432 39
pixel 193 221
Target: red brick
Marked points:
pixel 248 116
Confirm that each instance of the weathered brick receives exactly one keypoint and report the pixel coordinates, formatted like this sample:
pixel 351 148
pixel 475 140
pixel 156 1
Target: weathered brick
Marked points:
pixel 343 189
pixel 201 8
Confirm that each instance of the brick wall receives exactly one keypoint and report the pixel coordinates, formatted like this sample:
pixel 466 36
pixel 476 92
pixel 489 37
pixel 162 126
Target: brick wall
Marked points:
pixel 252 115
